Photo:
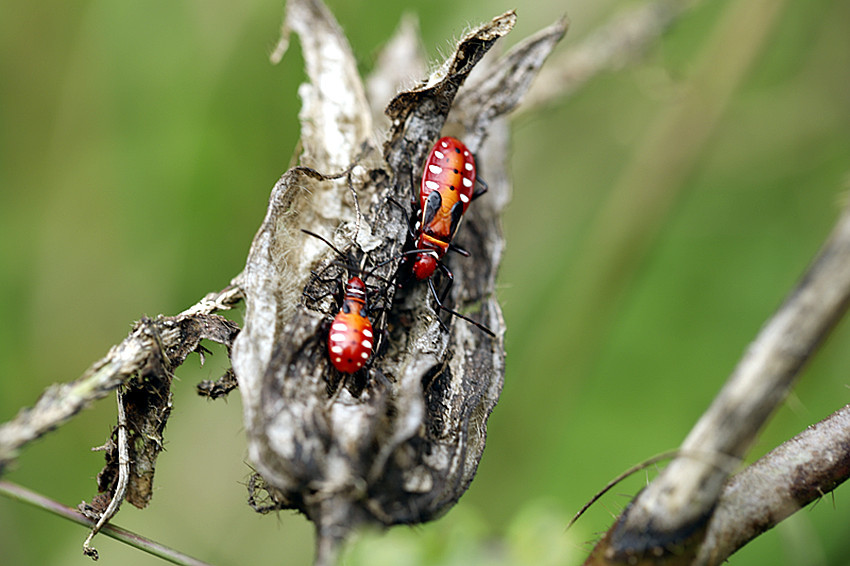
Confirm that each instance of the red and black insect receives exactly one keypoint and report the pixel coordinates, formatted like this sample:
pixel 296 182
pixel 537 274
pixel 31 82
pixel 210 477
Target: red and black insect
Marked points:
pixel 447 188
pixel 351 337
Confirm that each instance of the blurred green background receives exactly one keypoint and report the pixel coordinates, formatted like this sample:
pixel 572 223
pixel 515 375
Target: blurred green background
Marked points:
pixel 138 145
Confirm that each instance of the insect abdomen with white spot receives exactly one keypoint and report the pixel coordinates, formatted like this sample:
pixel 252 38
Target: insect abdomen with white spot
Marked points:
pixel 450 169
pixel 448 182
pixel 351 338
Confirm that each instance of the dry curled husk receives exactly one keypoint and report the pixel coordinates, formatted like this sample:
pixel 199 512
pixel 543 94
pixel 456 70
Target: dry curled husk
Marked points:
pixel 400 441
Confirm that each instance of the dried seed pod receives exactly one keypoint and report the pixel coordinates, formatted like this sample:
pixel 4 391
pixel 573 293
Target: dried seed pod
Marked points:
pixel 400 441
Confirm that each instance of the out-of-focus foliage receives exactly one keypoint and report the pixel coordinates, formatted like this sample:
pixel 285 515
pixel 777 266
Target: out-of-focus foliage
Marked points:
pixel 138 145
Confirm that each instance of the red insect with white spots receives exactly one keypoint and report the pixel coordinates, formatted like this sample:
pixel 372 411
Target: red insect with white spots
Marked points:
pixel 447 188
pixel 350 339
pixel 448 184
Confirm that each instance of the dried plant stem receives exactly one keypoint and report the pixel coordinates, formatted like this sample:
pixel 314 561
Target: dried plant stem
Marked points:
pixel 123 478
pixel 14 491
pixel 59 403
pixel 802 470
pixel 672 511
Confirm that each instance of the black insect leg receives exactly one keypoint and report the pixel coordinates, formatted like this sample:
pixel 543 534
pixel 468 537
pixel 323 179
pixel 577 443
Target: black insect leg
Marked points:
pixel 440 305
pixel 481 190
pixel 451 279
pixel 459 250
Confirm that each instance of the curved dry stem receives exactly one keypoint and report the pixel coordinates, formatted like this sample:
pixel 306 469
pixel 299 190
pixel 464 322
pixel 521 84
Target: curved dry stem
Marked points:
pixel 121 485
pixel 14 491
